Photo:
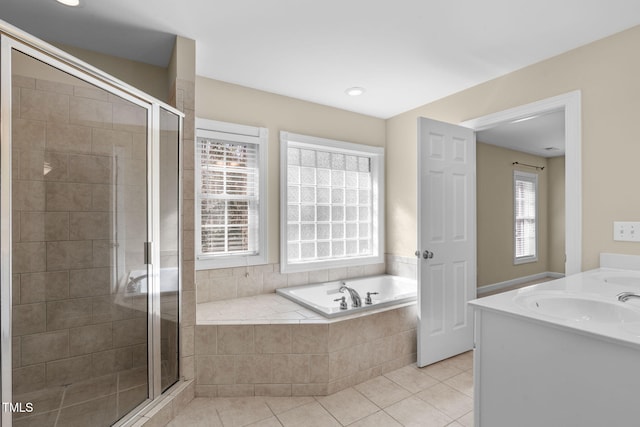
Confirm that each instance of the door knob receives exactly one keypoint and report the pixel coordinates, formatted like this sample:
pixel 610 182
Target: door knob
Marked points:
pixel 425 254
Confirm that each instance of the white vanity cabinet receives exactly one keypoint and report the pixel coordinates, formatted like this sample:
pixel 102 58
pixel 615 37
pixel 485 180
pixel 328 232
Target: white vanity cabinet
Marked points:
pixel 531 373
pixel 564 353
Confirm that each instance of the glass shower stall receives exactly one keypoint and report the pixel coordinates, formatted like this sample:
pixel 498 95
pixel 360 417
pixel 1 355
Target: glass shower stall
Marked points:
pixel 90 241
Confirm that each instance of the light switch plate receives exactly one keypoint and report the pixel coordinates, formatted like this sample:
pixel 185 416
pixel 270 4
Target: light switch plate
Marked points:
pixel 626 231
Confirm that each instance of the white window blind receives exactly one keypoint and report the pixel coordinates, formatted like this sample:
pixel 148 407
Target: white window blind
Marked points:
pixel 525 216
pixel 332 195
pixel 229 196
pixel 229 185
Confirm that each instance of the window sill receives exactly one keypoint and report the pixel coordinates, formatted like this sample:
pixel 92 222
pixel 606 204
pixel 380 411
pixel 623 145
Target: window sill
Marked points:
pixel 525 260
pixel 329 264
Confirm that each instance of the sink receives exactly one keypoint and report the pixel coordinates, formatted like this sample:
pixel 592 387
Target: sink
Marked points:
pixel 578 308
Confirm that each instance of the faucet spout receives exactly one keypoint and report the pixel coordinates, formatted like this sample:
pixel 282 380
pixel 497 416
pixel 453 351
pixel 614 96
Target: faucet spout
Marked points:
pixel 356 301
pixel 133 285
pixel 624 296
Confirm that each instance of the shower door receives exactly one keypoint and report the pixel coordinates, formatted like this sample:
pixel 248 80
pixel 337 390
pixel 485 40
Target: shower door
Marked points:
pixel 81 308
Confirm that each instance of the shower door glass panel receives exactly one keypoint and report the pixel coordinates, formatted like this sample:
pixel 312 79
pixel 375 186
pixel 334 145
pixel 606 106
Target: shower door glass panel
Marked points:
pixel 169 247
pixel 79 218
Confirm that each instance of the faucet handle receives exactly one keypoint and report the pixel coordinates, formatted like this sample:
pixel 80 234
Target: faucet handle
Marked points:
pixel 368 299
pixel 343 303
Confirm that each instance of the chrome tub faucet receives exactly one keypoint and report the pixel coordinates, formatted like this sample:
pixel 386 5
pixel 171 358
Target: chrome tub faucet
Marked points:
pixel 355 297
pixel 624 296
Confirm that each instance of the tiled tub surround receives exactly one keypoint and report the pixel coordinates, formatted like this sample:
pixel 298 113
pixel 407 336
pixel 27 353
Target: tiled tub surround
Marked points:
pixel 77 354
pixel 228 283
pixel 267 345
pixel 401 266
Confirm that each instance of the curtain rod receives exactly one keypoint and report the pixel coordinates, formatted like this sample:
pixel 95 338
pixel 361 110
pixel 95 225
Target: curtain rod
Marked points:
pixel 530 166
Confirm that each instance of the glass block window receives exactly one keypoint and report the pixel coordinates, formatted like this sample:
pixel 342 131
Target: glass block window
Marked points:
pixel 525 197
pixel 331 201
pixel 230 178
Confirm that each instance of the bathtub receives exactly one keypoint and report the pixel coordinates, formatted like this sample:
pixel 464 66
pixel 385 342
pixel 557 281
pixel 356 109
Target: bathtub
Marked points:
pixel 320 297
pixel 136 283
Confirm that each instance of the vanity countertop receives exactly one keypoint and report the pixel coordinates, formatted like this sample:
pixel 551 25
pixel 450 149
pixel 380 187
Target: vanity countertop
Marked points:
pixel 586 302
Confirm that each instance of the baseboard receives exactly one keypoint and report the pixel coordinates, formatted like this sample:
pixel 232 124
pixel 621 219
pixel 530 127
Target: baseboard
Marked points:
pixel 517 281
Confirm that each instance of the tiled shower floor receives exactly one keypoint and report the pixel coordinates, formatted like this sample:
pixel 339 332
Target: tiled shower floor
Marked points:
pixel 435 396
pixel 95 402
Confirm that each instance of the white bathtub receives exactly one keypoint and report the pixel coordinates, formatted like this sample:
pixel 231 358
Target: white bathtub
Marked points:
pixel 321 297
pixel 137 281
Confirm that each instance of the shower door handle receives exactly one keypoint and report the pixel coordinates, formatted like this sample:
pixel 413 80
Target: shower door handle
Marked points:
pixel 147 252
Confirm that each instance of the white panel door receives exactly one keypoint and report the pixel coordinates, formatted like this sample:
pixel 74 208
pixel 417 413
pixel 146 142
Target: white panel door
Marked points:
pixel 446 239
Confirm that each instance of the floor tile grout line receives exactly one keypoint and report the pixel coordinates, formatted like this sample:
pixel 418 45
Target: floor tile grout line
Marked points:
pixel 219 417
pixel 392 417
pixel 273 414
pixel 432 405
pixel 117 394
pixel 464 415
pixel 331 413
pixel 398 384
pixel 64 392
pixel 372 402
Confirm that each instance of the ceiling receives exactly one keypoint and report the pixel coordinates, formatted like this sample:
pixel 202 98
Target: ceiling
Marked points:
pixel 533 135
pixel 405 53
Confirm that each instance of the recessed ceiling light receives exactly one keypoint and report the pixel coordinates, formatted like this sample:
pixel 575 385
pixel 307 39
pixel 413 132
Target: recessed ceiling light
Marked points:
pixel 72 3
pixel 354 91
pixel 552 148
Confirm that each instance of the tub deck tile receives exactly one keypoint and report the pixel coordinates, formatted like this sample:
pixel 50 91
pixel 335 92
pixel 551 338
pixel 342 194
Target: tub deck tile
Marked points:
pixel 267 309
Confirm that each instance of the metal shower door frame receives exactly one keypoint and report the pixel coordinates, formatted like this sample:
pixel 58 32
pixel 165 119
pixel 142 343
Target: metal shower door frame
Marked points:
pixel 12 39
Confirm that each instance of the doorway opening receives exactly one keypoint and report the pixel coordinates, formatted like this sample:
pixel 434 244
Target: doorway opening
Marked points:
pixel 562 113
pixel 447 200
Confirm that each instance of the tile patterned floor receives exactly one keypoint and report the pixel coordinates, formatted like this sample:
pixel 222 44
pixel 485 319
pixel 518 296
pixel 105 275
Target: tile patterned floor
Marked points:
pixel 96 402
pixel 435 396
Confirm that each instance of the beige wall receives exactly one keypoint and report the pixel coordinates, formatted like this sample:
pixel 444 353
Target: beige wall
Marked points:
pixel 608 74
pixel 148 78
pixel 556 214
pixel 227 102
pixel 495 214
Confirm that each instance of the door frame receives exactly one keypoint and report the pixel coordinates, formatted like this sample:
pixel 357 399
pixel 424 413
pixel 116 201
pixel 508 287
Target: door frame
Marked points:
pixel 571 103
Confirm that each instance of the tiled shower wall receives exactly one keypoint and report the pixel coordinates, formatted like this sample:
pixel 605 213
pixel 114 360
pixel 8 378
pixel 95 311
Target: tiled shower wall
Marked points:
pixel 67 325
pixel 184 100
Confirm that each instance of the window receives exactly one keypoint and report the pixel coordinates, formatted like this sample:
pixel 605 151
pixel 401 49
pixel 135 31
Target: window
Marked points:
pixel 332 203
pixel 525 195
pixel 230 194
